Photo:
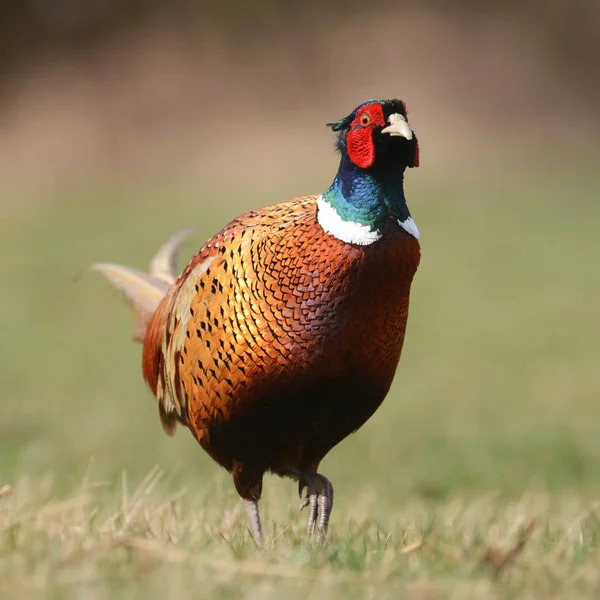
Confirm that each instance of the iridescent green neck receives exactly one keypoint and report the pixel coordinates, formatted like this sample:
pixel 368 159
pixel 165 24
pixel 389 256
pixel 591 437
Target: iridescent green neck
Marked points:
pixel 367 197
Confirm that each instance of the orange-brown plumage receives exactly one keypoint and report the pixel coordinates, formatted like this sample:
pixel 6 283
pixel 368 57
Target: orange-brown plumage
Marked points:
pixel 281 337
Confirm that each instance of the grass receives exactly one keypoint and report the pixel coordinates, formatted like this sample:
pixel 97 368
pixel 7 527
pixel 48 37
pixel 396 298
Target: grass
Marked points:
pixel 491 427
pixel 146 540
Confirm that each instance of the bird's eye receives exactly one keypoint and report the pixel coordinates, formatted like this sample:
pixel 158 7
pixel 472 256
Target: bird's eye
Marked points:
pixel 365 120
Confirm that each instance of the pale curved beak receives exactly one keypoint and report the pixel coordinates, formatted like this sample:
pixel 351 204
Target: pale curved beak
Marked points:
pixel 398 127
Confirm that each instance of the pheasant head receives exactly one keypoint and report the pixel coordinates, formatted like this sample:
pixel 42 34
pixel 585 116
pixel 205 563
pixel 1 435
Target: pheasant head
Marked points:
pixel 376 135
pixel 376 145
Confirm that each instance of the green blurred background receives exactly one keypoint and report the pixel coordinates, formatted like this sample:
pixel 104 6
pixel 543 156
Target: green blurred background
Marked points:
pixel 123 122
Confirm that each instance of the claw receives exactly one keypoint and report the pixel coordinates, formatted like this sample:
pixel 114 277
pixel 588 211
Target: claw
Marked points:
pixel 301 486
pixel 319 499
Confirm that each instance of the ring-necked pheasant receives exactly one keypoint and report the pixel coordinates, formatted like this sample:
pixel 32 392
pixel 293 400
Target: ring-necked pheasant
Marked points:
pixel 283 333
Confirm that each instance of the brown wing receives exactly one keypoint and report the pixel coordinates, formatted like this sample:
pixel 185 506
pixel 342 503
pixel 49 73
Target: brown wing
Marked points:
pixel 224 320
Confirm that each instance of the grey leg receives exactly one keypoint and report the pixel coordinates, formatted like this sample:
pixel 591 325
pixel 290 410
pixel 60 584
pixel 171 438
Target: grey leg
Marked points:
pixel 319 499
pixel 255 526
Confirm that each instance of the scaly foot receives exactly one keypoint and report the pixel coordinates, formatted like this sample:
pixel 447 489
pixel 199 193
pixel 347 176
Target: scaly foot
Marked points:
pixel 255 526
pixel 319 499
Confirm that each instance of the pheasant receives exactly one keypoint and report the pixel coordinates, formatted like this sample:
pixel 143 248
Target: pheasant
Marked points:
pixel 283 333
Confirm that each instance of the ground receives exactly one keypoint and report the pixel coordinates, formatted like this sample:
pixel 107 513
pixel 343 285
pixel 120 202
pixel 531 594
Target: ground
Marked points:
pixel 488 442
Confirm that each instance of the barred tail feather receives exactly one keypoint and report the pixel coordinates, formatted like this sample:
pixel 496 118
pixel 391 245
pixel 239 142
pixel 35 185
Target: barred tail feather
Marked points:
pixel 146 292
pixel 143 292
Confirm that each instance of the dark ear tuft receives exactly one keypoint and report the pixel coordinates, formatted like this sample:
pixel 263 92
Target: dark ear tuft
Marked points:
pixel 341 124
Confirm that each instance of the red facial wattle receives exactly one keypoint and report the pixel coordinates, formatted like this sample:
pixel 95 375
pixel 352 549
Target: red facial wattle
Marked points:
pixel 416 157
pixel 359 140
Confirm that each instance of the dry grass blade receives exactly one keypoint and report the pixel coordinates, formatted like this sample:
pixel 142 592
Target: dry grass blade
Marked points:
pixel 173 554
pixel 498 559
pixel 411 547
